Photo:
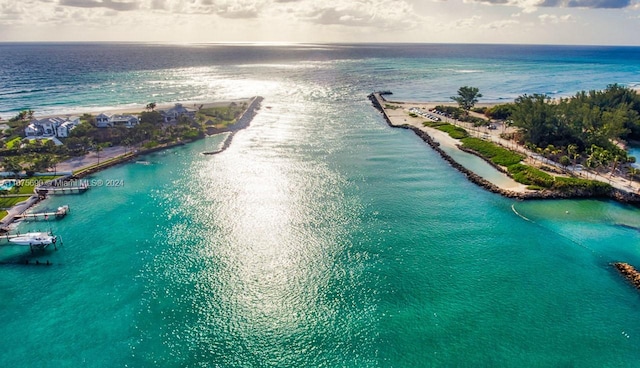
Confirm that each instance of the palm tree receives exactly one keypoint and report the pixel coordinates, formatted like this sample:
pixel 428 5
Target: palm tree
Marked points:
pixel 633 171
pixel 98 149
pixel 572 152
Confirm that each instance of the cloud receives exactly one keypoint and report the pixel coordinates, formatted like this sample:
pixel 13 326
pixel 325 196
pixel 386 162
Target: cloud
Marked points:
pixel 554 19
pixel 467 22
pixel 383 14
pixel 235 9
pixel 109 4
pixel 239 9
pixel 592 4
pixel 500 24
pixel 595 4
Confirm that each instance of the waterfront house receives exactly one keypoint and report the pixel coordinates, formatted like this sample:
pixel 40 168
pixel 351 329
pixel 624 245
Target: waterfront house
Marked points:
pixel 174 113
pixel 103 121
pixel 51 127
pixel 128 121
pixel 64 129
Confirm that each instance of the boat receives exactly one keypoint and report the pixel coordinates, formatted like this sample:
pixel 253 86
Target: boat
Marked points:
pixel 34 239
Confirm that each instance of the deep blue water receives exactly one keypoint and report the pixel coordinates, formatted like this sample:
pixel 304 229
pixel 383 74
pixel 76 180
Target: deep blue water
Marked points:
pixel 321 237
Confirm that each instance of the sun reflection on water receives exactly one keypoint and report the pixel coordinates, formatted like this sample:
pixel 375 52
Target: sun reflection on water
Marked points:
pixel 261 234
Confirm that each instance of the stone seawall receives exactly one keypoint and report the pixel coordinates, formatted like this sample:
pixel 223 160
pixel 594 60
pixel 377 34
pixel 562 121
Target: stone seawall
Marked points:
pixel 629 273
pixel 242 123
pixel 471 176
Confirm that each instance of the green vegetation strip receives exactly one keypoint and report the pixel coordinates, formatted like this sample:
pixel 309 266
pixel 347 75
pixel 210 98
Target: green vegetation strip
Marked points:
pixel 3 214
pixel 535 178
pixel 453 131
pixel 497 155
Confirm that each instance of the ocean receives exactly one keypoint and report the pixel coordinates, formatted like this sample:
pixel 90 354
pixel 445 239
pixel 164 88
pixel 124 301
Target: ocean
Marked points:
pixel 321 237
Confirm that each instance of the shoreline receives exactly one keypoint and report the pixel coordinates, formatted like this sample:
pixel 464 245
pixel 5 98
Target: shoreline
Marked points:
pixel 129 108
pixel 434 138
pixel 90 167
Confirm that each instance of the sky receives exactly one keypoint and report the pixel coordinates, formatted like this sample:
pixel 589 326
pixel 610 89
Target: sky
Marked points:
pixel 567 22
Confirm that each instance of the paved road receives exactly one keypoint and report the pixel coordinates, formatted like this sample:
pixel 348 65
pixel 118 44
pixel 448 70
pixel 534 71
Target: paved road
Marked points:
pixel 91 158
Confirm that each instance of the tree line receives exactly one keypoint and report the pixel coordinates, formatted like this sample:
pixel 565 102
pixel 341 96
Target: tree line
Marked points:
pixel 589 127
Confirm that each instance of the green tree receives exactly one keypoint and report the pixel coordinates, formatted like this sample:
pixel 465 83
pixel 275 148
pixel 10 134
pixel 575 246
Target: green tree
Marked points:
pixel 11 164
pixel 151 117
pixel 151 106
pixel 467 97
pixel 499 112
pixel 572 151
pixel 536 117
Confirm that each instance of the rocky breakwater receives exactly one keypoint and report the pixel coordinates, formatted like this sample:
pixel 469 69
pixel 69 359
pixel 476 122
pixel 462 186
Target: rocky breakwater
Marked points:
pixel 242 123
pixel 629 273
pixel 471 176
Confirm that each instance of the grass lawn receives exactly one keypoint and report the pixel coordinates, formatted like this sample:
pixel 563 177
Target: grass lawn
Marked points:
pixel 7 202
pixel 3 213
pixel 221 116
pixel 30 183
pixel 14 141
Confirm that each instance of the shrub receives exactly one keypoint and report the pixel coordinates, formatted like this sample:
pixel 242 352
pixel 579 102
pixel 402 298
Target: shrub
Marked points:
pixel 530 176
pixel 593 186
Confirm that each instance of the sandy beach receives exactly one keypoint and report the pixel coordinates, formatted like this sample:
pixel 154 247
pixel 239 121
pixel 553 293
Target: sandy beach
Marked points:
pixel 137 109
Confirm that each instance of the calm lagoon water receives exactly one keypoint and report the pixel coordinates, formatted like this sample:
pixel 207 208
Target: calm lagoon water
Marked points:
pixel 321 237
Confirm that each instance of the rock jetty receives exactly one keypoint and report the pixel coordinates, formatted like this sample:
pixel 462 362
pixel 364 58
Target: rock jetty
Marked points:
pixel 629 273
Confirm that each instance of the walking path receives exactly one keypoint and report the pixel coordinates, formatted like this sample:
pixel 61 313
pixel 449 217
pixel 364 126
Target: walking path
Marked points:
pixel 91 158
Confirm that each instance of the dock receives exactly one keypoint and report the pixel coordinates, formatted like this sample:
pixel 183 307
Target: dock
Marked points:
pixel 59 190
pixel 61 212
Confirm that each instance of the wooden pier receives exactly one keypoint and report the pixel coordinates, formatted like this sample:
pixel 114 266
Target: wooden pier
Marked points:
pixel 59 190
pixel 58 214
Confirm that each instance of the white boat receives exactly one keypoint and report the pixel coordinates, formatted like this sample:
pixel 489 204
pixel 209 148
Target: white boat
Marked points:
pixel 34 239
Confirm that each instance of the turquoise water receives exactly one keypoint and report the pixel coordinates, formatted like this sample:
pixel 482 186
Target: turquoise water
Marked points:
pixel 7 184
pixel 635 152
pixel 321 237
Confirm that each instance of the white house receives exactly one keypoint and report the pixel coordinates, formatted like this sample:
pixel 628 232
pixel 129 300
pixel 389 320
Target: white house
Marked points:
pixel 65 128
pixel 48 127
pixel 31 130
